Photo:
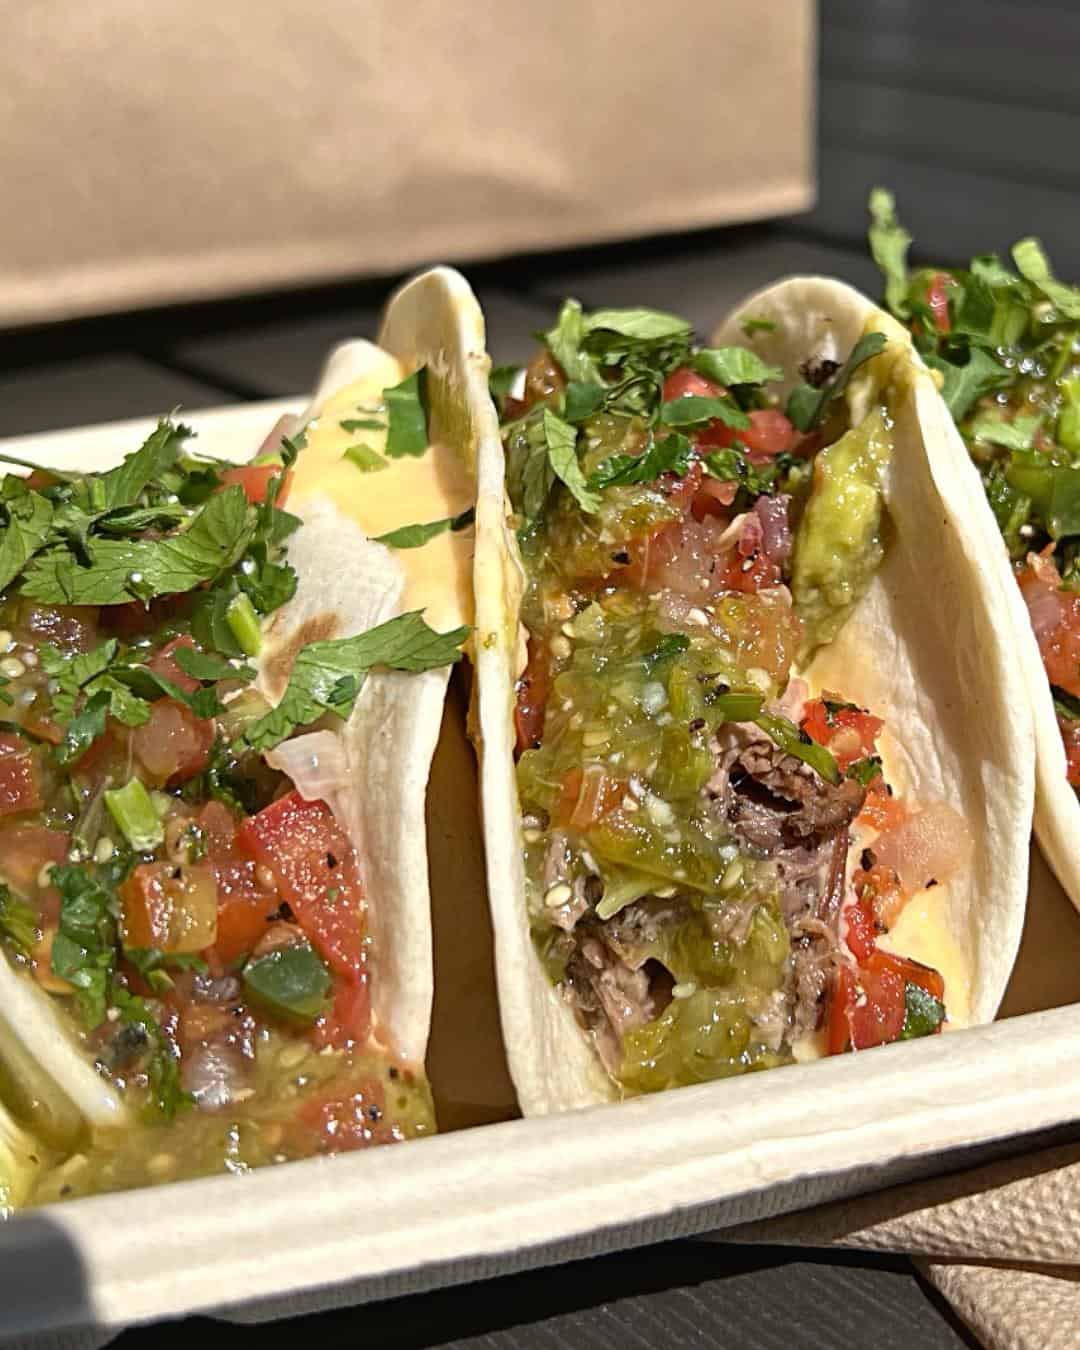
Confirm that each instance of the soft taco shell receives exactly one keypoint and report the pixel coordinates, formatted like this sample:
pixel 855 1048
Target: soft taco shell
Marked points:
pixel 347 584
pixel 924 648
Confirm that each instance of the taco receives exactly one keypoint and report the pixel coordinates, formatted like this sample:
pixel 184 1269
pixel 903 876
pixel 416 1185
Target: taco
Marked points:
pixel 756 759
pixel 1003 344
pixel 223 686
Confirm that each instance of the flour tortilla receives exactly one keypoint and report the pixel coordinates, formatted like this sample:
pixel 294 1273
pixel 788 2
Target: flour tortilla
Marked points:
pixel 1057 808
pixel 925 648
pixel 349 583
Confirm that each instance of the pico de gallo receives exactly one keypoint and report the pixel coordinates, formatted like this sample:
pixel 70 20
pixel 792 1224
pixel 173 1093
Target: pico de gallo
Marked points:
pixel 1006 345
pixel 198 922
pixel 714 857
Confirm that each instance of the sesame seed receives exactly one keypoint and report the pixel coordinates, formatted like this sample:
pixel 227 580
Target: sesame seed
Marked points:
pixel 532 836
pixel 557 895
pixel 29 659
pixel 628 803
pixel 698 616
pixel 103 850
pixel 12 667
pixel 684 990
pixel 732 873
pixel 660 813
pixel 560 648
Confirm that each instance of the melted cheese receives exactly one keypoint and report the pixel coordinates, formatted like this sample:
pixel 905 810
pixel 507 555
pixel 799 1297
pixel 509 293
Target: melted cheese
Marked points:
pixel 922 932
pixel 411 490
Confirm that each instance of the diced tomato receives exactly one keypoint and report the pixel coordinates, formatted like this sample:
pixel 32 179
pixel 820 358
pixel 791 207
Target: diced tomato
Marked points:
pixel 681 491
pixel 25 850
pixel 532 690
pixel 19 789
pixel 588 795
pixel 881 896
pixel 164 663
pixel 544 377
pixel 1070 734
pixel 686 382
pixel 713 498
pixel 37 479
pixel 749 575
pixel 255 480
pixel 317 872
pixel 683 383
pixel 868 1006
pixel 349 1017
pixel 135 619
pixel 172 909
pixel 849 733
pixel 38 723
pixel 881 811
pixel 861 928
pixel 174 745
pixel 343 1118
pixel 1055 618
pixel 769 433
pixel 247 905
pixel 937 297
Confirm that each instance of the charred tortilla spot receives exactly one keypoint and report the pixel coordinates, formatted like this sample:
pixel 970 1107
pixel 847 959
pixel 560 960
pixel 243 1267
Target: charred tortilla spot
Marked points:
pixel 279 664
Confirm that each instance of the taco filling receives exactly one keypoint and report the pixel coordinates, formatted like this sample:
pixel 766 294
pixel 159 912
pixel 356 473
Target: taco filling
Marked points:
pixel 1005 343
pixel 714 855
pixel 180 878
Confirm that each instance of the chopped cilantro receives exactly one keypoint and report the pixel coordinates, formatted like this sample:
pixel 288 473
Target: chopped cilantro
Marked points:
pixel 415 536
pixel 406 411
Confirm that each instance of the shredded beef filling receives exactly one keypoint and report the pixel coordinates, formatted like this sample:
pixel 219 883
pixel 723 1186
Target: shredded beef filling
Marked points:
pixel 783 813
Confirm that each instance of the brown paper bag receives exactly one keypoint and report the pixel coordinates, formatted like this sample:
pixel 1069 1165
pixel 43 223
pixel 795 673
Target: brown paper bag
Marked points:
pixel 155 153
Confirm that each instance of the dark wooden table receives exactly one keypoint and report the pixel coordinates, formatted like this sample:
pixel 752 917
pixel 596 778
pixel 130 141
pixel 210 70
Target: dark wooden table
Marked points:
pixel 679 1294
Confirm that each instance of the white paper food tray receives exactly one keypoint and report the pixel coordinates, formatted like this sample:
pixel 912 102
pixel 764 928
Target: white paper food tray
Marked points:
pixel 503 1197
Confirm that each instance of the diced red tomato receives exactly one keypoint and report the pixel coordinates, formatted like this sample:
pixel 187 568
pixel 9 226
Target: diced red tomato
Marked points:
pixel 1070 734
pixel 174 745
pixel 255 480
pixel 881 895
pixel 861 928
pixel 683 383
pixel 172 909
pixel 881 811
pixel 349 1017
pixel 588 795
pixel 317 872
pixel 38 723
pixel 543 378
pixel 532 689
pixel 19 790
pixel 164 663
pixel 1055 618
pixel 25 850
pixel 714 497
pixel 849 733
pixel 344 1118
pixel 246 903
pixel 937 297
pixel 769 433
pixel 752 574
pixel 868 1006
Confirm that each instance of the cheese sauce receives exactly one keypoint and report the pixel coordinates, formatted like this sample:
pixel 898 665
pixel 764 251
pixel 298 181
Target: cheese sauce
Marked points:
pixel 410 490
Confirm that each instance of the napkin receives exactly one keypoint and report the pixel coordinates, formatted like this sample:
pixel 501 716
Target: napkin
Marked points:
pixel 1001 1242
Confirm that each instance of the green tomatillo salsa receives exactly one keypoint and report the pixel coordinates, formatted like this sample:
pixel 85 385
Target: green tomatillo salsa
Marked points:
pixel 197 920
pixel 688 810
pixel 1005 342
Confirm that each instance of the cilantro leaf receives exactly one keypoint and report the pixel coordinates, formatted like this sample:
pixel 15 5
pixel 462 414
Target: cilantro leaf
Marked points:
pixel 994 427
pixel 561 440
pixel 564 342
pixel 124 485
pixel 17 920
pixel 693 410
pixel 965 384
pixel 205 666
pixel 582 400
pixel 750 326
pixel 864 771
pixel 807 406
pixel 74 672
pixel 1054 489
pixel 669 646
pixel 140 569
pixel 734 365
pixel 407 416
pixel 670 455
pixel 29 519
pixel 732 466
pixel 84 729
pixel 1034 266
pixel 84 949
pixel 500 383
pixel 640 325
pixel 415 536
pixel 889 244
pixel 328 676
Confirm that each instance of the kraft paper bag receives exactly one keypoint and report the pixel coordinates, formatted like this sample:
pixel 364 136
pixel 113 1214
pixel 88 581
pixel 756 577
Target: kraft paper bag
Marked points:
pixel 155 153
